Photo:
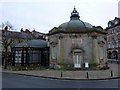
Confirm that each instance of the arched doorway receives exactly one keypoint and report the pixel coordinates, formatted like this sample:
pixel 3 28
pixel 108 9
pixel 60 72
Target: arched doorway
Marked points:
pixel 77 57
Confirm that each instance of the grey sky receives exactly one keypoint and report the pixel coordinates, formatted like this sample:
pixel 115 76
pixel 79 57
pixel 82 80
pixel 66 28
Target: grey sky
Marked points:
pixel 43 15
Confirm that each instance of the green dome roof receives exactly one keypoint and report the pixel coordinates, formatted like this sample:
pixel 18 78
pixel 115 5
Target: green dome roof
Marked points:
pixel 75 22
pixel 75 25
pixel 33 43
pixel 21 45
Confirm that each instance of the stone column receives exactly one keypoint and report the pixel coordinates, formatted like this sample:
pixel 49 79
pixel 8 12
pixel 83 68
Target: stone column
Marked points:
pixel 94 50
pixel 60 51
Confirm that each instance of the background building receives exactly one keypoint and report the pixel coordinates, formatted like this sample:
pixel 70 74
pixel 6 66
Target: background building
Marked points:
pixel 113 40
pixel 0 47
pixel 11 38
pixel 76 43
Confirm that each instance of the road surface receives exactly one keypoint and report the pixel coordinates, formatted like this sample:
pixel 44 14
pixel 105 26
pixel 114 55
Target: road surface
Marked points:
pixel 21 81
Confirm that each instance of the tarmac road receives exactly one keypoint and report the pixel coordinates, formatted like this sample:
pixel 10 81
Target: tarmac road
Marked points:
pixel 21 81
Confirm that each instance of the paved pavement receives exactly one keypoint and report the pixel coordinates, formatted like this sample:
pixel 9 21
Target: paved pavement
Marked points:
pixel 101 74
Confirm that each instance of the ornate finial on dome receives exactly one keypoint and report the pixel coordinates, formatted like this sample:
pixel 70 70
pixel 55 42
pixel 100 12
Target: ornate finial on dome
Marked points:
pixel 74 14
pixel 74 6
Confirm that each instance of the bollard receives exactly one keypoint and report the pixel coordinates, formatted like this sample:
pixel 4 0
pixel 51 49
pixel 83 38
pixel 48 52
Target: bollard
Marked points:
pixel 87 75
pixel 61 74
pixel 111 73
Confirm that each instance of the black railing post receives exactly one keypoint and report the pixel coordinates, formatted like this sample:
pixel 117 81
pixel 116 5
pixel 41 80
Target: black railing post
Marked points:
pixel 87 75
pixel 61 74
pixel 111 73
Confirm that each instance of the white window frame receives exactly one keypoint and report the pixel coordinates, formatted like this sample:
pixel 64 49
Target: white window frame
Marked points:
pixel 77 61
pixel 18 57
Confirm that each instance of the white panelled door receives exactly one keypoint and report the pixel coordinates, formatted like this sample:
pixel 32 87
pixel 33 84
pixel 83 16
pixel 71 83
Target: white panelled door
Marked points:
pixel 77 61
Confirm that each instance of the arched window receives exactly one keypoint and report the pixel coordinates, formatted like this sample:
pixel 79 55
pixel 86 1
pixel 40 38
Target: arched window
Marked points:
pixel 114 55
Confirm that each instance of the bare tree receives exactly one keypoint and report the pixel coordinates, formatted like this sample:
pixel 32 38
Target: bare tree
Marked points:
pixel 2 26
pixel 7 40
pixel 8 24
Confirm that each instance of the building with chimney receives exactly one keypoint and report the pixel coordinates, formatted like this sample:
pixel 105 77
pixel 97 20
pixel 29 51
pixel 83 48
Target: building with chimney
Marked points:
pixel 113 40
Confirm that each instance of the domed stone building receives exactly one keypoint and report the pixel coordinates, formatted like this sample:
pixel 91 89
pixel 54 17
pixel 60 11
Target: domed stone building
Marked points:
pixel 76 44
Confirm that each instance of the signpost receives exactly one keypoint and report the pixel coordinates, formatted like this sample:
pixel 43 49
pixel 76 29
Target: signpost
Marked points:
pixel 86 65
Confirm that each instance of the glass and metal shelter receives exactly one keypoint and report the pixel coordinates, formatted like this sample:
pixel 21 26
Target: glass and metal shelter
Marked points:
pixel 31 52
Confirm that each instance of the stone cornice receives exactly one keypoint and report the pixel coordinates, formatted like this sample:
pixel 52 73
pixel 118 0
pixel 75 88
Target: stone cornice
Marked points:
pixel 76 31
pixel 75 35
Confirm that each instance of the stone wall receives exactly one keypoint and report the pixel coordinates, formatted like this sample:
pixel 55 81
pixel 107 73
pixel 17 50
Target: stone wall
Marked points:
pixel 66 44
pixel 86 45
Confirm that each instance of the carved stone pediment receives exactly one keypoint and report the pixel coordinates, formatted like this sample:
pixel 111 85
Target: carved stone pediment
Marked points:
pixel 53 43
pixel 77 50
